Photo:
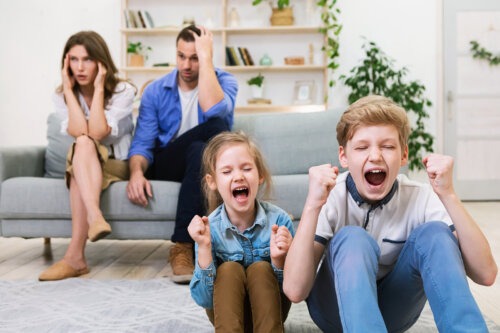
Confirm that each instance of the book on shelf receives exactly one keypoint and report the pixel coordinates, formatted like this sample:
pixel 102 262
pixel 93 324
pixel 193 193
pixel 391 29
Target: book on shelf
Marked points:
pixel 229 57
pixel 235 56
pixel 149 19
pixel 249 57
pixel 141 19
pixel 242 56
pixel 133 19
pixel 127 18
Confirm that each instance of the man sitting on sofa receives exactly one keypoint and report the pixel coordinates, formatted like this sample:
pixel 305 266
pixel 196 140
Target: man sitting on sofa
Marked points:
pixel 179 113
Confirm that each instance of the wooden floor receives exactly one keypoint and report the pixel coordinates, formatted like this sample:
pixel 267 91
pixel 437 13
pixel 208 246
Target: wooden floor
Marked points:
pixel 126 259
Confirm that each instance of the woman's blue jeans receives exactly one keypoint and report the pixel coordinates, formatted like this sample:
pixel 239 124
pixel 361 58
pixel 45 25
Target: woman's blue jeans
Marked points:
pixel 346 296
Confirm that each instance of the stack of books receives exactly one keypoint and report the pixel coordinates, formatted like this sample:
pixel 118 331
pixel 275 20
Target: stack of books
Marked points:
pixel 238 56
pixel 138 19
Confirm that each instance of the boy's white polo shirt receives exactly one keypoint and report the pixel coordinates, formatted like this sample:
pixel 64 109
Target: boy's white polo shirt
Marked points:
pixel 390 221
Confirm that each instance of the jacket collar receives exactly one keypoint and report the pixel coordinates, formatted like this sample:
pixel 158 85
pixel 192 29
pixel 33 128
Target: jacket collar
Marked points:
pixel 260 218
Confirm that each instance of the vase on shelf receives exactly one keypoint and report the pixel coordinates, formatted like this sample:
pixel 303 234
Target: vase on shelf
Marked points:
pixel 234 18
pixel 266 60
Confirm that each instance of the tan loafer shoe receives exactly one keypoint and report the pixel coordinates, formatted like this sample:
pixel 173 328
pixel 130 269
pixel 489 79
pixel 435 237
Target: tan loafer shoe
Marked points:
pixel 181 260
pixel 61 270
pixel 99 229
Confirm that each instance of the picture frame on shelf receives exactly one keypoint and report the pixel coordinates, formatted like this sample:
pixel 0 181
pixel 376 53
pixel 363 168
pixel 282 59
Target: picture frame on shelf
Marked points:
pixel 304 92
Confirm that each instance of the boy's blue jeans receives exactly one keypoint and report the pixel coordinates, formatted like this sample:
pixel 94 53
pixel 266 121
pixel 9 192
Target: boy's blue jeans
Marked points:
pixel 347 297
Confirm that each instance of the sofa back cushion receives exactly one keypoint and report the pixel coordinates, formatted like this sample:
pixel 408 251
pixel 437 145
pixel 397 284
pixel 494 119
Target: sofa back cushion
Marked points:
pixel 290 142
pixel 293 142
pixel 57 148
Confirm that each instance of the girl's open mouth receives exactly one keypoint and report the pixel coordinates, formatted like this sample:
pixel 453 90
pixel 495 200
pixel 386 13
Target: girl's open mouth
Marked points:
pixel 375 177
pixel 240 193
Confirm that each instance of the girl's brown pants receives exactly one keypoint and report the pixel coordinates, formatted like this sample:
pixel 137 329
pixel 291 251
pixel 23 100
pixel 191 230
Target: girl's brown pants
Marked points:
pixel 248 300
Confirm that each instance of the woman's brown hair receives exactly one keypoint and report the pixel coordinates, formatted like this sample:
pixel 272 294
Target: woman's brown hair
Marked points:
pixel 98 51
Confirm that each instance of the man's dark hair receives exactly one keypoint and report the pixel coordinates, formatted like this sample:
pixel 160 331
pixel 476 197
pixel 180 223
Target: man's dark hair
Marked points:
pixel 186 35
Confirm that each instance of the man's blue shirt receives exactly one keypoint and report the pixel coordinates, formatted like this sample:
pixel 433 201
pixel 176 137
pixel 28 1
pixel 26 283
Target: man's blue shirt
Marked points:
pixel 230 244
pixel 160 112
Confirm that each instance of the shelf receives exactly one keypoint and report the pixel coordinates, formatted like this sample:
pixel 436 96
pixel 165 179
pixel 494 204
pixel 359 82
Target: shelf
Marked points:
pixel 268 108
pixel 157 31
pixel 232 69
pixel 283 68
pixel 272 30
pixel 247 30
pixel 297 37
pixel 163 69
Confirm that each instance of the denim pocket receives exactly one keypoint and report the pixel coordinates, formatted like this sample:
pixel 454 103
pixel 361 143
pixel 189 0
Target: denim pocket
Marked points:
pixel 263 253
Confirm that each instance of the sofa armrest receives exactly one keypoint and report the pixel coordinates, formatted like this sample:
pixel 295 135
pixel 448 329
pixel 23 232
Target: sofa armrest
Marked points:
pixel 23 161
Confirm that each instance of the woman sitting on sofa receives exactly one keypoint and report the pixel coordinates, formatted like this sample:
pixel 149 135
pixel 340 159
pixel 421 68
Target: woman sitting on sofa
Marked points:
pixel 95 107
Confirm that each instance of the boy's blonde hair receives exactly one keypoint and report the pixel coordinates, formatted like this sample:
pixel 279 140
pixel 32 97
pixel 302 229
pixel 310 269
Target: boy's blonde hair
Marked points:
pixel 209 161
pixel 373 110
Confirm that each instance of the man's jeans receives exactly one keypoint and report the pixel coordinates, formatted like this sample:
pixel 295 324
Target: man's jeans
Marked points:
pixel 180 161
pixel 347 297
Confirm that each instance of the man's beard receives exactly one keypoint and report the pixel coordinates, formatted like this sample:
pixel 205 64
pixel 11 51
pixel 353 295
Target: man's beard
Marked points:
pixel 192 78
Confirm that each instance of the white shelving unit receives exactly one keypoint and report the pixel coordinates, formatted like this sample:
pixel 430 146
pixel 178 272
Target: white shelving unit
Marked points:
pixel 222 34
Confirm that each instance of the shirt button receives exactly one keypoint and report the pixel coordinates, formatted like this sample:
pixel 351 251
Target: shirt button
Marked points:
pixel 209 275
pixel 266 253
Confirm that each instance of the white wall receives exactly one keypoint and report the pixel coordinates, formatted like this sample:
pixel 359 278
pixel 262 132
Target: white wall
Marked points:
pixel 33 37
pixel 34 33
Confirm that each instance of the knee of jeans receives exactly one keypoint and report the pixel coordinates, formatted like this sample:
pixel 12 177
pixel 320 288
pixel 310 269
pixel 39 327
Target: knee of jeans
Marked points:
pixel 231 268
pixel 352 238
pixel 260 267
pixel 434 233
pixel 353 244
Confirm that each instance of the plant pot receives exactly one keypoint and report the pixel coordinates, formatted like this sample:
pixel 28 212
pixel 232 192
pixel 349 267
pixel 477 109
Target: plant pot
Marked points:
pixel 136 60
pixel 282 16
pixel 257 92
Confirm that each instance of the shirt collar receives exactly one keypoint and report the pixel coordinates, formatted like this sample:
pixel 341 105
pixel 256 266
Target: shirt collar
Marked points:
pixel 351 187
pixel 170 80
pixel 260 218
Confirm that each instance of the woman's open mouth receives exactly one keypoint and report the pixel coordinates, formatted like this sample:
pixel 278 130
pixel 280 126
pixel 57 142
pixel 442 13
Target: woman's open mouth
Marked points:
pixel 375 177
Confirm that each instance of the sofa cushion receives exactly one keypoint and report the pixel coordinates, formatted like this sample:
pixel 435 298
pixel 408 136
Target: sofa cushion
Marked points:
pixel 57 148
pixel 292 143
pixel 312 136
pixel 46 198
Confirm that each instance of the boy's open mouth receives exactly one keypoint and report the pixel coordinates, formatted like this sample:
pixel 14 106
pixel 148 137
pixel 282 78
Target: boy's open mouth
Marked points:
pixel 240 193
pixel 375 177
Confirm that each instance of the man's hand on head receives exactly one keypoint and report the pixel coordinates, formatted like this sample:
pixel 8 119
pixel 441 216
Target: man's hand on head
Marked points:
pixel 203 44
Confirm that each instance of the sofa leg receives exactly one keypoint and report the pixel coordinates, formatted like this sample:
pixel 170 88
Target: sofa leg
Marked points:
pixel 47 249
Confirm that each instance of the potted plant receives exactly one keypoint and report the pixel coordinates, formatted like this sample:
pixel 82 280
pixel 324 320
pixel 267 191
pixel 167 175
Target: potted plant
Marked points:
pixel 137 53
pixel 257 85
pixel 282 14
pixel 378 75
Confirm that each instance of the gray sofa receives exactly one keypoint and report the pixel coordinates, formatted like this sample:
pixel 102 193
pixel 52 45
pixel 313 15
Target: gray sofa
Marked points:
pixel 35 204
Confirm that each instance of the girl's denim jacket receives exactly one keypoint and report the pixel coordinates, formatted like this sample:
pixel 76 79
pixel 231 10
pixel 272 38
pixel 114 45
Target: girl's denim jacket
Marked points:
pixel 229 244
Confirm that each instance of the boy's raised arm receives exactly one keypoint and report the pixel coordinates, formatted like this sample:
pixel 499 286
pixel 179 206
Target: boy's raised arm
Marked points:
pixel 476 252
pixel 304 254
